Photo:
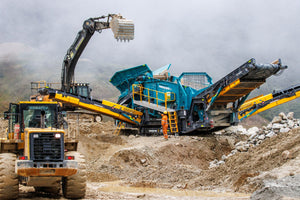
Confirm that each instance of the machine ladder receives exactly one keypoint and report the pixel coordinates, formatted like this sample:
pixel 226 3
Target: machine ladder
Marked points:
pixel 118 129
pixel 173 123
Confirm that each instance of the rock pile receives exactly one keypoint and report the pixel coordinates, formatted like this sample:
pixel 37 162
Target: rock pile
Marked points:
pixel 280 124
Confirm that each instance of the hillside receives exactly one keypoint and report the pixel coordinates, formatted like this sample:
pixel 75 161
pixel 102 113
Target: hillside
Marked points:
pixel 21 64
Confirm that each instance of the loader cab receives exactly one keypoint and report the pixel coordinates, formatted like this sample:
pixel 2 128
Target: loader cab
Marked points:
pixel 31 115
pixel 39 115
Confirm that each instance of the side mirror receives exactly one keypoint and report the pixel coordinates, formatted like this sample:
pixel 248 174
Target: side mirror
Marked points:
pixel 6 115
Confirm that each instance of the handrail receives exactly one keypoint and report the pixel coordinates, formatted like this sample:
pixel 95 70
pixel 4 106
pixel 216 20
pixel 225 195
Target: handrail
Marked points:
pixel 37 85
pixel 139 90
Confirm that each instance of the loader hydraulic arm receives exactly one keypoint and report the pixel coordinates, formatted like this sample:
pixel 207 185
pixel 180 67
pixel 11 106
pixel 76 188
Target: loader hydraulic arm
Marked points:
pixel 123 30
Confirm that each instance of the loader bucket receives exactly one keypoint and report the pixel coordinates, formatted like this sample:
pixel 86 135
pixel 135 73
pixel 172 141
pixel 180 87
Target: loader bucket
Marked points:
pixel 122 28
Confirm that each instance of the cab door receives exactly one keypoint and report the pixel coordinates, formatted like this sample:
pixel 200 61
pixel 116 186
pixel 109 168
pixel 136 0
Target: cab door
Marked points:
pixel 13 118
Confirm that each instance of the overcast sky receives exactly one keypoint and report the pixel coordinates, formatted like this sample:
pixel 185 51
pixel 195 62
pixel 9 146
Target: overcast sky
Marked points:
pixel 214 36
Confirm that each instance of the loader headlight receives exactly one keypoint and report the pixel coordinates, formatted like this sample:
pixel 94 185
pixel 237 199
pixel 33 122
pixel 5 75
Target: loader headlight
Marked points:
pixel 57 135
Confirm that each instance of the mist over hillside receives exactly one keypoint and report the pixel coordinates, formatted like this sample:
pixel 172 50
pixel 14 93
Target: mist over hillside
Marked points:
pixel 211 36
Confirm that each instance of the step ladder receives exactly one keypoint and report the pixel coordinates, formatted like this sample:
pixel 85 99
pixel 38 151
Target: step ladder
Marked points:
pixel 118 129
pixel 173 122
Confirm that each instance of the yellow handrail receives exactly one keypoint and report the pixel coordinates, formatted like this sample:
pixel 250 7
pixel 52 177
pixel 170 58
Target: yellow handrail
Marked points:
pixel 139 90
pixel 36 85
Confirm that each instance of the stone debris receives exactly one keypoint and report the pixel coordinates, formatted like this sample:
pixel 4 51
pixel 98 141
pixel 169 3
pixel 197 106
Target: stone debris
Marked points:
pixel 280 124
pixel 284 188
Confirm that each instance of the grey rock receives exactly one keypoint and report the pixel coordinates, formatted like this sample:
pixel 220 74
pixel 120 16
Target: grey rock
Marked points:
pixel 224 157
pixel 284 130
pixel 276 119
pixel 247 146
pixel 252 136
pixel 231 154
pixel 253 130
pixel 241 148
pixel 143 161
pixel 236 129
pixel 261 137
pixel 234 151
pixel 282 115
pixel 220 162
pixel 270 134
pixel 286 155
pixel 240 143
pixel 290 115
pixel 269 127
pixel 284 188
pixel 291 123
pixel 277 126
pixel 213 163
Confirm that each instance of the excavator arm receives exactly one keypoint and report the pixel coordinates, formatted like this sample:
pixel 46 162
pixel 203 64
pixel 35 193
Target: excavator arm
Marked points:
pixel 123 30
pixel 264 102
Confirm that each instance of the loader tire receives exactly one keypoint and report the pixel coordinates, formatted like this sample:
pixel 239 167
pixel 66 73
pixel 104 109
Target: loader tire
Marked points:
pixel 74 186
pixel 9 180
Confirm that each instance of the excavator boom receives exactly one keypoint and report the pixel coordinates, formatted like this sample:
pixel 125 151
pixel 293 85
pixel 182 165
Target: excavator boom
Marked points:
pixel 122 29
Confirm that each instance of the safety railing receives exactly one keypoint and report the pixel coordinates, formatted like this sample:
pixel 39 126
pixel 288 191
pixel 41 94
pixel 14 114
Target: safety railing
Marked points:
pixel 37 85
pixel 141 93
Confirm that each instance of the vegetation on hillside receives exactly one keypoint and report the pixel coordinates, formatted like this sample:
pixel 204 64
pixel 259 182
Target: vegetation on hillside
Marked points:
pixel 16 75
pixel 13 81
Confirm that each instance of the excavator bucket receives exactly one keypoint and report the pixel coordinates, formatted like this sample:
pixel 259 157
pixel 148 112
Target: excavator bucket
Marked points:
pixel 122 28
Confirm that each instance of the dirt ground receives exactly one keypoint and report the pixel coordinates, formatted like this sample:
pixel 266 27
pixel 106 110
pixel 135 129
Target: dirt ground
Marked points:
pixel 138 167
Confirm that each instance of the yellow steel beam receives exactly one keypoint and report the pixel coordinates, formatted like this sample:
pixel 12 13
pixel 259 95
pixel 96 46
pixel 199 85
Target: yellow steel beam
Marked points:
pixel 255 100
pixel 269 106
pixel 120 107
pixel 227 88
pixel 76 102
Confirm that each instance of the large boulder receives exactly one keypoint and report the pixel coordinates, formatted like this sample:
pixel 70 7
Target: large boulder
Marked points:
pixel 277 126
pixel 276 119
pixel 282 115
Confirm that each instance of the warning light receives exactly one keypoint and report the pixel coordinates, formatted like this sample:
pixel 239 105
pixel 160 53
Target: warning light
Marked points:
pixel 22 157
pixel 70 157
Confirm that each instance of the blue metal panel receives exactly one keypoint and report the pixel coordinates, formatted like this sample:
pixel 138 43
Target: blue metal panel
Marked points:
pixel 125 78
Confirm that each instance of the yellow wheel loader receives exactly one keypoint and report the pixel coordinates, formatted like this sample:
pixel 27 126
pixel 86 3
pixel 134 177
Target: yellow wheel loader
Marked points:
pixel 37 152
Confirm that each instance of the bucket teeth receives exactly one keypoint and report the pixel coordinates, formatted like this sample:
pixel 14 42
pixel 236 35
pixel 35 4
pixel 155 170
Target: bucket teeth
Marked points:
pixel 123 29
